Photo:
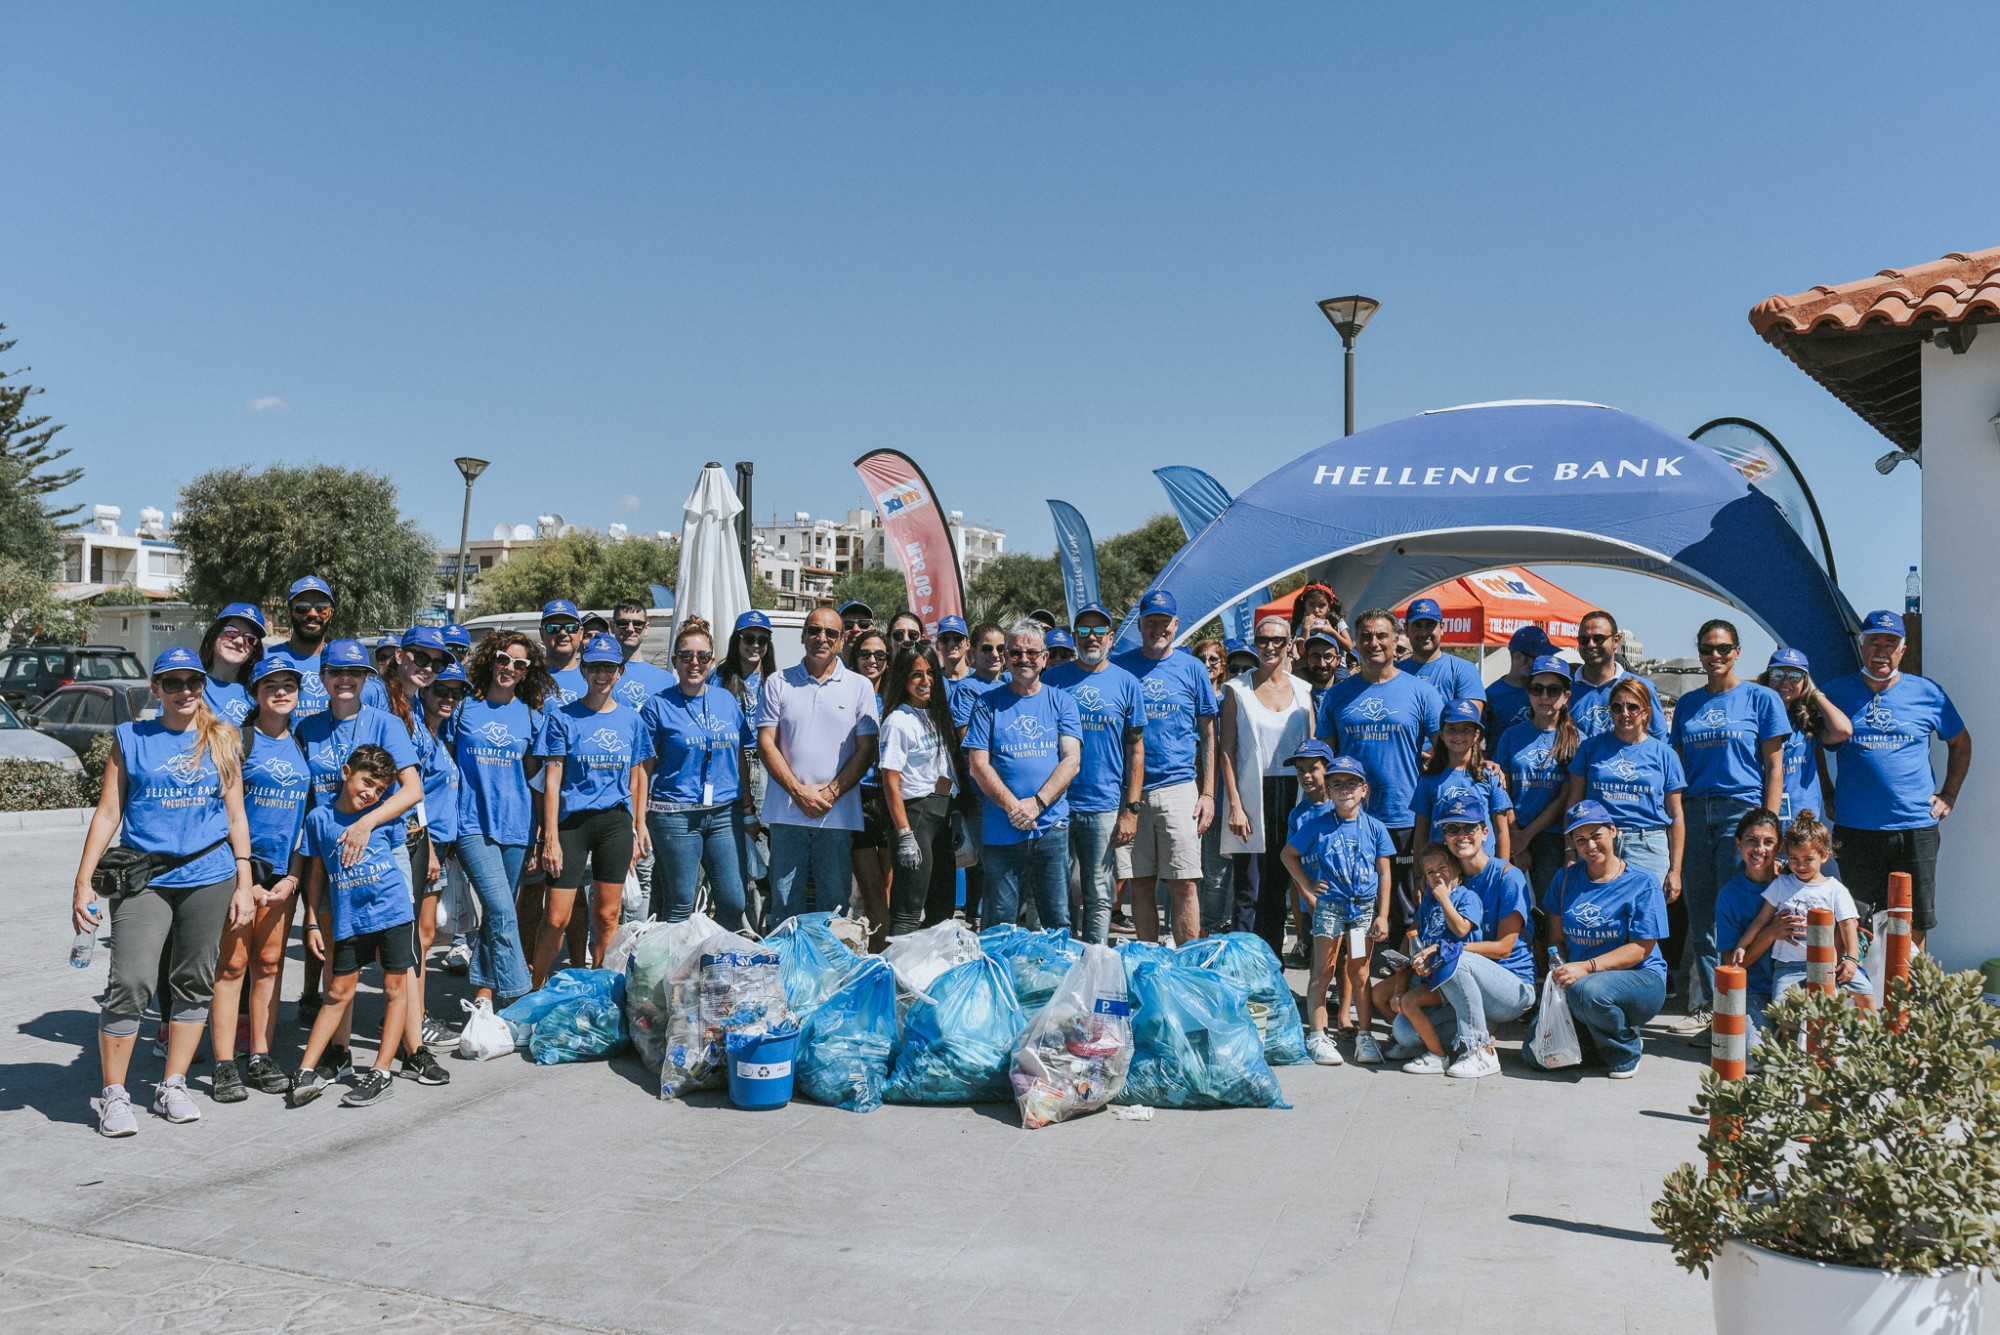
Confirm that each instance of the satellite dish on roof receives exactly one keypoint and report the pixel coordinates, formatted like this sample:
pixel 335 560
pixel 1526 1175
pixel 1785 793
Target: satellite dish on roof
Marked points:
pixel 524 533
pixel 502 532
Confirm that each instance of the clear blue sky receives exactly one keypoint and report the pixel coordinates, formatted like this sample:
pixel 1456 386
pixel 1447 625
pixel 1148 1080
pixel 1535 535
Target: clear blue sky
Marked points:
pixel 1041 248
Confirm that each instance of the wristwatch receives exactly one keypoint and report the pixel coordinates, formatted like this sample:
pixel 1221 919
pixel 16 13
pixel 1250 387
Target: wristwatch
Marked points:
pixel 1133 807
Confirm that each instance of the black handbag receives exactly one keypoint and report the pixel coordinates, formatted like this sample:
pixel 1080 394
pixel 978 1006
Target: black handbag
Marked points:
pixel 126 871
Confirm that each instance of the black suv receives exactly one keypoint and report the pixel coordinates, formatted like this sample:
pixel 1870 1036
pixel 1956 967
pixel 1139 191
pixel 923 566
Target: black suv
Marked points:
pixel 28 674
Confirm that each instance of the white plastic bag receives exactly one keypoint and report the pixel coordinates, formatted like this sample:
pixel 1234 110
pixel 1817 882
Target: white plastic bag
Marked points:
pixel 1555 1040
pixel 457 906
pixel 920 957
pixel 626 940
pixel 1073 1057
pixel 485 1035
pixel 635 904
pixel 659 960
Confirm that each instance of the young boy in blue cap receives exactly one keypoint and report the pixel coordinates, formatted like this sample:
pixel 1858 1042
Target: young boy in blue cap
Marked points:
pixel 1339 860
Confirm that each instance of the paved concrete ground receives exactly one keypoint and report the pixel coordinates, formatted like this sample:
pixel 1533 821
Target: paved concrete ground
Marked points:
pixel 525 1198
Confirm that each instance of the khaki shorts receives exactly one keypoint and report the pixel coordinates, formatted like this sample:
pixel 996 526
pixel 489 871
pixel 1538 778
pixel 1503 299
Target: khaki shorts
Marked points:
pixel 1166 845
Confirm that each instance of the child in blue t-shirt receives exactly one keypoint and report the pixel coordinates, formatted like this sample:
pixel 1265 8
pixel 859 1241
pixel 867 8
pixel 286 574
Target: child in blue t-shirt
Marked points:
pixel 1447 917
pixel 1339 862
pixel 364 907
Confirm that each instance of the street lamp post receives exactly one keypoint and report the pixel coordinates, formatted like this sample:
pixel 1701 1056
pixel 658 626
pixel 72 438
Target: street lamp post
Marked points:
pixel 1348 315
pixel 471 468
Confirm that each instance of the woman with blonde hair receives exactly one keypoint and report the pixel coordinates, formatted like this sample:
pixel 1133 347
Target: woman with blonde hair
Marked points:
pixel 696 782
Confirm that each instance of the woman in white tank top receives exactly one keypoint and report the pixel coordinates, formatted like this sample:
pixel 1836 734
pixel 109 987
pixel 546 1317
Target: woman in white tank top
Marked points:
pixel 1266 715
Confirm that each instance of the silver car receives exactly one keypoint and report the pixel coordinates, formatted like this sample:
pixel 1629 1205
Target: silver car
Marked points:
pixel 20 742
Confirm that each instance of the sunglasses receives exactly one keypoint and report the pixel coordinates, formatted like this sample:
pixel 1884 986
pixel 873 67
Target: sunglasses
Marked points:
pixel 822 633
pixel 1628 708
pixel 872 656
pixel 992 648
pixel 1549 691
pixel 434 662
pixel 1452 829
pixel 1024 655
pixel 1592 639
pixel 699 657
pixel 755 639
pixel 452 692
pixel 177 683
pixel 513 663
pixel 1786 674
pixel 309 606
pixel 1273 641
pixel 950 637
pixel 561 627
pixel 906 636
pixel 602 667
pixel 1710 649
pixel 1091 632
pixel 237 635
pixel 628 623
pixel 859 623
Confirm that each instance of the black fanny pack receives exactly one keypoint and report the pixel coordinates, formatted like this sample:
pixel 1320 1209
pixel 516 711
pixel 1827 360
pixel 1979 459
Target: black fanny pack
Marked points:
pixel 126 871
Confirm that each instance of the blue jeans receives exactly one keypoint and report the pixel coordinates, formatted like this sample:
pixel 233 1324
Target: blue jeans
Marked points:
pixel 1039 866
pixel 1608 1009
pixel 1645 849
pixel 1481 991
pixel 686 843
pixel 829 854
pixel 1707 864
pixel 495 869
pixel 1090 846
pixel 1216 891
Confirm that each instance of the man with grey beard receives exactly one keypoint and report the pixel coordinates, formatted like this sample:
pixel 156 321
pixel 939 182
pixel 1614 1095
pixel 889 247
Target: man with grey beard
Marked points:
pixel 1104 797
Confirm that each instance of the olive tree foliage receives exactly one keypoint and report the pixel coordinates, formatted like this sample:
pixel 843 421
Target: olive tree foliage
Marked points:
pixel 590 570
pixel 246 534
pixel 30 543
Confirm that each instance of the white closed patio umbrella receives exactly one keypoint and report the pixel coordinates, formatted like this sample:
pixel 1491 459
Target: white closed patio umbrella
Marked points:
pixel 711 584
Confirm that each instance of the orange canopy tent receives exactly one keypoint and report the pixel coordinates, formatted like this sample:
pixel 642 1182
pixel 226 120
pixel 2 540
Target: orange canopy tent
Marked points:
pixel 1487 608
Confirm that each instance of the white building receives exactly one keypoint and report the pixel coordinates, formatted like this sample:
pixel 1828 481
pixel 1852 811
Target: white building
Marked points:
pixel 979 545
pixel 1916 353
pixel 99 555
pixel 838 546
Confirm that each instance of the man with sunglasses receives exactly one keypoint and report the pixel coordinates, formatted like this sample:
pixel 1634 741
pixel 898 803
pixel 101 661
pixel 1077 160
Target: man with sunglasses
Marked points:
pixel 1597 642
pixel 640 681
pixel 1111 775
pixel 1319 663
pixel 1022 750
pixel 855 617
pixel 309 610
pixel 1507 698
pixel 816 731
pixel 458 642
pixel 1450 676
pixel 954 647
pixel 562 637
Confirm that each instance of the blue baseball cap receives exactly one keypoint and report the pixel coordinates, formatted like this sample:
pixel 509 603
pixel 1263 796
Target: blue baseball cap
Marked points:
pixel 249 612
pixel 1347 765
pixel 1467 808
pixel 308 584
pixel 1585 813
pixel 1159 603
pixel 603 649
pixel 1060 639
pixel 457 637
pixel 344 654
pixel 425 637
pixel 855 607
pixel 452 672
pixel 1550 665
pixel 1323 637
pixel 1232 647
pixel 1093 609
pixel 1790 658
pixel 1424 609
pixel 1459 711
pixel 1532 641
pixel 953 625
pixel 1882 623
pixel 1311 749
pixel 271 667
pixel 176 659
pixel 558 608
pixel 386 642
pixel 753 620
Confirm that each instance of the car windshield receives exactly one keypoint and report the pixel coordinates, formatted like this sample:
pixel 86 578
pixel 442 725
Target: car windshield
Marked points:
pixel 7 718
pixel 109 667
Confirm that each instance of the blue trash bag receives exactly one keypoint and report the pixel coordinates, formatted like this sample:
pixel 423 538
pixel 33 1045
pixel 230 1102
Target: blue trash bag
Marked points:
pixel 583 1025
pixel 522 1016
pixel 1037 960
pixel 1248 959
pixel 846 1044
pixel 958 1039
pixel 999 937
pixel 812 961
pixel 1135 953
pixel 1196 1044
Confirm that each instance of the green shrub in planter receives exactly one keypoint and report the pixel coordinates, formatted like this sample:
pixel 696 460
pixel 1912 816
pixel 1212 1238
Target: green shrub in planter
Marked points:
pixel 1884 1154
pixel 36 785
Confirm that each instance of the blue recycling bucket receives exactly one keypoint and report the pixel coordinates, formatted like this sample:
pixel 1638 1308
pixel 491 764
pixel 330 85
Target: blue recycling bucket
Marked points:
pixel 760 1068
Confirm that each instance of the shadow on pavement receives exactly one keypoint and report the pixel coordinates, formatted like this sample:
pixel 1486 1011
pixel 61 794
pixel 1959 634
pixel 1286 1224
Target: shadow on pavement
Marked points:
pixel 59 1093
pixel 1598 1230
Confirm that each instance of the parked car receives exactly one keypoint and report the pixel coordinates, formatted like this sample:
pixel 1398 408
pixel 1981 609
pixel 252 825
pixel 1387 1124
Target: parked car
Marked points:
pixel 20 742
pixel 27 674
pixel 78 714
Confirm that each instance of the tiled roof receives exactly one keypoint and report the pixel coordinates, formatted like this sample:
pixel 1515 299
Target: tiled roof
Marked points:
pixel 1860 340
pixel 1958 287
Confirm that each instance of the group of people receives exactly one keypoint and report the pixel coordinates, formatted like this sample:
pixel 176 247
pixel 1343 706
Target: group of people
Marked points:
pixel 1328 785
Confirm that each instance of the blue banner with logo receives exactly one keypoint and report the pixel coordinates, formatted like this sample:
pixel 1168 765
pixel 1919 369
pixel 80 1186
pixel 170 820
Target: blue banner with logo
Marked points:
pixel 1199 500
pixel 1077 555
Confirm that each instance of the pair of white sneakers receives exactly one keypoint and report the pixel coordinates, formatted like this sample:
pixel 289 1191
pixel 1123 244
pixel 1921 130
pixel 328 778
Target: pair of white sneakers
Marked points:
pixel 171 1100
pixel 1477 1062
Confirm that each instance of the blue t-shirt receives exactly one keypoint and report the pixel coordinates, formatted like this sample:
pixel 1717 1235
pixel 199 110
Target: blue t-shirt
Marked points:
pixel 1342 853
pixel 490 743
pixel 966 692
pixel 173 805
pixel 1596 918
pixel 1022 737
pixel 1882 774
pixel 1736 907
pixel 1177 694
pixel 1302 811
pixel 1436 792
pixel 1449 675
pixel 230 702
pixel 1719 737
pixel 369 896
pixel 1433 926
pixel 375 693
pixel 1502 889
pixel 570 685
pixel 696 743
pixel 1506 705
pixel 328 742
pixel 277 784
pixel 1534 775
pixel 597 751
pixel 441 787
pixel 640 681
pixel 1802 787
pixel 1109 703
pixel 1386 727
pixel 312 691
pixel 1632 780
pixel 1590 706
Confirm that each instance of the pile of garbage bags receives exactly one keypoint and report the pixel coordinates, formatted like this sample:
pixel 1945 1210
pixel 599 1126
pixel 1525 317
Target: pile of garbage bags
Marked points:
pixel 811 959
pixel 959 1037
pixel 1196 1046
pixel 688 985
pixel 1037 960
pixel 848 1040
pixel 1074 1055
pixel 1248 959
pixel 578 1014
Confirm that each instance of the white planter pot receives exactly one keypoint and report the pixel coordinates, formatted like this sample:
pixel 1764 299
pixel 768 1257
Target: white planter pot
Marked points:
pixel 1762 1292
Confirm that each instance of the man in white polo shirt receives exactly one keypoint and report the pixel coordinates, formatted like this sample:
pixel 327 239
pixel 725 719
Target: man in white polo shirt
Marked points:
pixel 816 731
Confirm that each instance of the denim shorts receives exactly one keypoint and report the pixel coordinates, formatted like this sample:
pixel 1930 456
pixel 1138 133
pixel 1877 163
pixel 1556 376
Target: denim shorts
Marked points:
pixel 1334 918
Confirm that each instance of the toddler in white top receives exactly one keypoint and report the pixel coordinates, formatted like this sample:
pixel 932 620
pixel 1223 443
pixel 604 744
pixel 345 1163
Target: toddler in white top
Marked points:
pixel 1781 923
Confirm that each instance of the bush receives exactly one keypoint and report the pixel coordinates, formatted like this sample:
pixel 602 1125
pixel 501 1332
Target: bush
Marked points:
pixel 37 785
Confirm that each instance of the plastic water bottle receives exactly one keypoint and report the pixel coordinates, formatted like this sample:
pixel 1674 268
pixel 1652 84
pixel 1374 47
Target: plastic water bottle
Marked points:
pixel 1913 593
pixel 85 945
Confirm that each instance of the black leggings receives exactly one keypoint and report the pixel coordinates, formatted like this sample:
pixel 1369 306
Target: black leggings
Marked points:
pixel 910 892
pixel 596 842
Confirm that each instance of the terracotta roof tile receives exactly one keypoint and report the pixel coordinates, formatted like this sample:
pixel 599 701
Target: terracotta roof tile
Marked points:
pixel 1960 286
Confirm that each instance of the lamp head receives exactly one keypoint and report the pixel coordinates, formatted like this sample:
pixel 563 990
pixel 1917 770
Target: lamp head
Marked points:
pixel 470 467
pixel 1348 315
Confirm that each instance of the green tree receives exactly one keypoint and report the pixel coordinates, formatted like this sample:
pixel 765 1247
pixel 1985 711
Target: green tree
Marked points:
pixel 1014 585
pixel 881 587
pixel 530 576
pixel 629 569
pixel 246 534
pixel 1128 562
pixel 26 441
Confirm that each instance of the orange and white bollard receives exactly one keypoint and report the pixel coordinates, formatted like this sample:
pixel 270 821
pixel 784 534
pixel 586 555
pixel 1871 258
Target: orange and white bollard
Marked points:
pixel 1822 955
pixel 1728 1038
pixel 1896 948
